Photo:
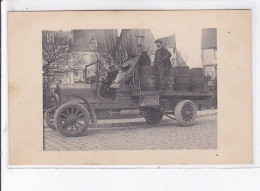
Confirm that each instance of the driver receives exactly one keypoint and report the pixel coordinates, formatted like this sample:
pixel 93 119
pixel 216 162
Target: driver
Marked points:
pixel 111 76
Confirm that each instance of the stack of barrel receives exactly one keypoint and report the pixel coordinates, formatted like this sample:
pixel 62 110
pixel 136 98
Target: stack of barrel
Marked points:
pixel 168 81
pixel 180 77
pixel 197 80
pixel 183 79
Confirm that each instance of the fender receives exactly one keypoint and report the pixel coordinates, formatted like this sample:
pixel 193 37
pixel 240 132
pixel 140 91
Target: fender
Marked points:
pixel 92 112
pixel 57 99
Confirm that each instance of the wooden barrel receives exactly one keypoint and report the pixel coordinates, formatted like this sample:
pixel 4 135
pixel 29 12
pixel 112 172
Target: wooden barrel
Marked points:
pixel 170 76
pixel 148 78
pixel 182 78
pixel 182 83
pixel 168 81
pixel 181 70
pixel 197 79
pixel 196 72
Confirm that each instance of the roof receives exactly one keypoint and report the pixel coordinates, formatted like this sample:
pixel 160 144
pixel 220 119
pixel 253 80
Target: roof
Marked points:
pixel 168 41
pixel 83 38
pixel 133 37
pixel 209 38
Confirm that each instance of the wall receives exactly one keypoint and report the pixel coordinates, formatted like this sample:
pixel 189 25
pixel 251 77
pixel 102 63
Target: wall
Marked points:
pixel 209 56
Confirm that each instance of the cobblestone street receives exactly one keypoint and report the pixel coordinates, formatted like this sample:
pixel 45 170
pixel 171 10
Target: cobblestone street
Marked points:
pixel 202 135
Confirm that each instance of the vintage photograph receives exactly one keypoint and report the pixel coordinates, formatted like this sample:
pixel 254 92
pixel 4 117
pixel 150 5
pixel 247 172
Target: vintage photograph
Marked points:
pixel 129 89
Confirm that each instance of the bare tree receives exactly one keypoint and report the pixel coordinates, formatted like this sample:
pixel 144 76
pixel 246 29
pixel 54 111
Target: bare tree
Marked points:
pixel 115 50
pixel 107 51
pixel 107 47
pixel 56 49
pixel 58 57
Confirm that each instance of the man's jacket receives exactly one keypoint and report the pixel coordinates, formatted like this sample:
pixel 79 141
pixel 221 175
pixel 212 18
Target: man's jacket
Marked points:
pixel 144 59
pixel 162 57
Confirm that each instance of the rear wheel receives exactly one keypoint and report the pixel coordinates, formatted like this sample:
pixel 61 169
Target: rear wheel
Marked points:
pixel 72 119
pixel 185 113
pixel 153 116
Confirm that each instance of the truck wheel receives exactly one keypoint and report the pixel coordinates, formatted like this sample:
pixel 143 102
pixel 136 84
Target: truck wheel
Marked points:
pixel 185 113
pixel 71 119
pixel 153 116
pixel 49 116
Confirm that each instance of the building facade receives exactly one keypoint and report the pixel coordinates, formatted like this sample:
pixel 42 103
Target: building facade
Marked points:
pixel 209 53
pixel 209 61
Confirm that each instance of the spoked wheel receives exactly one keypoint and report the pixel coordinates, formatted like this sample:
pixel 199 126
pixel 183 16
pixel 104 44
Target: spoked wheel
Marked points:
pixel 153 116
pixel 49 116
pixel 185 113
pixel 71 119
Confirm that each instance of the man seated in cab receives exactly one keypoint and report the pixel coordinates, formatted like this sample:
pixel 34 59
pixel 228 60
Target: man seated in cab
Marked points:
pixel 111 76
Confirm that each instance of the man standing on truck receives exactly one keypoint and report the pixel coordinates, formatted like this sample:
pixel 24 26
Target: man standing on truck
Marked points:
pixel 162 62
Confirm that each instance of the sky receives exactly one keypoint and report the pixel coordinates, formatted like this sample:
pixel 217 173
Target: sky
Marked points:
pixel 187 42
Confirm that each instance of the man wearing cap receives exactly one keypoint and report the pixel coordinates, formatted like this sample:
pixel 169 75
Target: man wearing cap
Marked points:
pixel 162 62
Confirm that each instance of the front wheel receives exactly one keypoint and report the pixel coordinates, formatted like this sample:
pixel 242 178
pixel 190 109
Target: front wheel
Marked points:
pixel 49 116
pixel 71 119
pixel 185 113
pixel 153 116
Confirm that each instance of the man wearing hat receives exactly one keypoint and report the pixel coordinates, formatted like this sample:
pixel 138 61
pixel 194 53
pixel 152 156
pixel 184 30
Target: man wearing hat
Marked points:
pixel 162 62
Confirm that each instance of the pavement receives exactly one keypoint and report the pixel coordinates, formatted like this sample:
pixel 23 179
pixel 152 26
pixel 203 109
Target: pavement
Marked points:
pixel 135 134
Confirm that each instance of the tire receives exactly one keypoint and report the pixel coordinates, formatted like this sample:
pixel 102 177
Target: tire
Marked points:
pixel 49 116
pixel 154 116
pixel 185 113
pixel 71 119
